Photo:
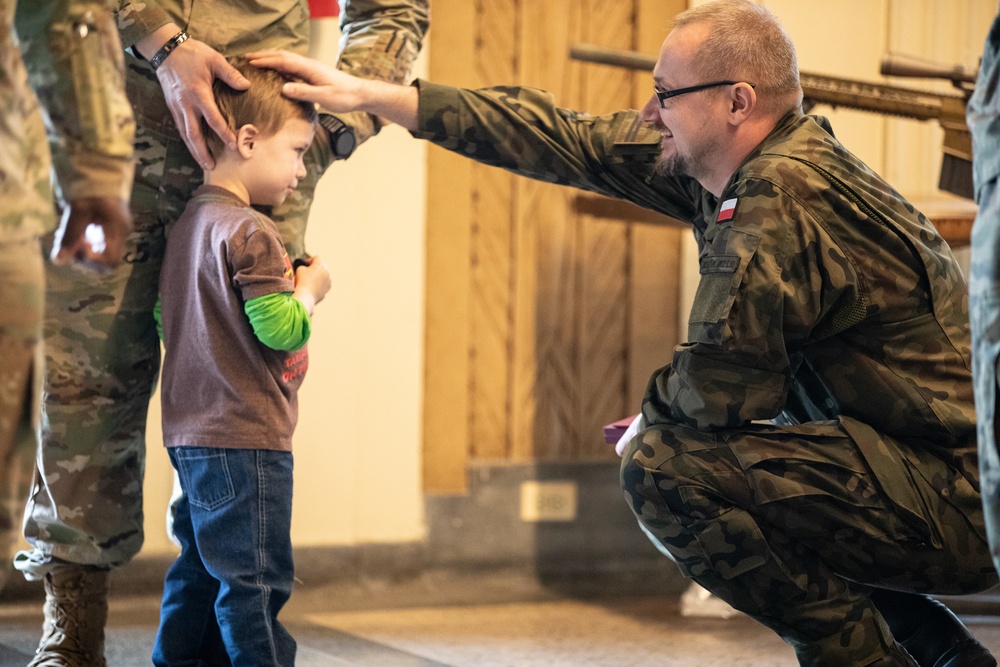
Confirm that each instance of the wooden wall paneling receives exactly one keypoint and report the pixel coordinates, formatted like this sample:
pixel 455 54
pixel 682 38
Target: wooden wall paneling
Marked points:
pixel 914 147
pixel 949 32
pixel 603 292
pixel 655 269
pixel 497 32
pixel 544 248
pixel 446 427
pixel 557 302
pixel 555 306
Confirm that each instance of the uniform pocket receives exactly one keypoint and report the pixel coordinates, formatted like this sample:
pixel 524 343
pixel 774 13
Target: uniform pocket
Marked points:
pixel 722 265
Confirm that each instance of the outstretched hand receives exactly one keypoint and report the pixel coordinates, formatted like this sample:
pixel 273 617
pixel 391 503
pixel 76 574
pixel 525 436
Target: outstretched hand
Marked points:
pixel 93 232
pixel 186 78
pixel 340 92
pixel 327 86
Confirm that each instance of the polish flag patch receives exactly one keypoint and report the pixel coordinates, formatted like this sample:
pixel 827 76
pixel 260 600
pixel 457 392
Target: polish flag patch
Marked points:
pixel 727 210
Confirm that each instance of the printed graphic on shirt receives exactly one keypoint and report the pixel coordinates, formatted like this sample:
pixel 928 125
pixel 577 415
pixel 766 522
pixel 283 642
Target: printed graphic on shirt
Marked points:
pixel 295 365
pixel 289 271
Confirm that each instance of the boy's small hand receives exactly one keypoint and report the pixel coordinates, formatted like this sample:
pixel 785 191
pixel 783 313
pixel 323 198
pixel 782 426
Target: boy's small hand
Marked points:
pixel 313 279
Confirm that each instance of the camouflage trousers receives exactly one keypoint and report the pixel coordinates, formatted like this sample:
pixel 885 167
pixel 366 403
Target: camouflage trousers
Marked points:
pixel 984 311
pixel 26 211
pixel 21 298
pixel 793 525
pixel 103 357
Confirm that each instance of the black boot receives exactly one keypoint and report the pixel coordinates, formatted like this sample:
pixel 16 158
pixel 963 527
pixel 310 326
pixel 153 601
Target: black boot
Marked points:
pixel 929 631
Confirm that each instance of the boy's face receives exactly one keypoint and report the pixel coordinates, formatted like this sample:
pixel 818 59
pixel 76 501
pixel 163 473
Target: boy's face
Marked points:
pixel 276 163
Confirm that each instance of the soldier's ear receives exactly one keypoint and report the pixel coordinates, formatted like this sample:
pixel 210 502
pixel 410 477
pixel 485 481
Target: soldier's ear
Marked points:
pixel 246 140
pixel 742 102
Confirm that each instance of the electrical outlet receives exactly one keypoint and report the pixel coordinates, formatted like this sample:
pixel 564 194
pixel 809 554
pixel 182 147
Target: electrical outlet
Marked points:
pixel 548 501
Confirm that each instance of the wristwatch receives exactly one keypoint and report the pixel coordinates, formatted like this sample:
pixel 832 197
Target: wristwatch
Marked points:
pixel 342 139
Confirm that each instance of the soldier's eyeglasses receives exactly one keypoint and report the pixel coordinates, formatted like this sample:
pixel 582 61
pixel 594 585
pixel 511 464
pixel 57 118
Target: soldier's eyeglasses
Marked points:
pixel 664 95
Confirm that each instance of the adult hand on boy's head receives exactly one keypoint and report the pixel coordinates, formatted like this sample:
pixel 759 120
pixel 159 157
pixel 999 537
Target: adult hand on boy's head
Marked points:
pixel 324 85
pixel 340 92
pixel 186 78
pixel 93 232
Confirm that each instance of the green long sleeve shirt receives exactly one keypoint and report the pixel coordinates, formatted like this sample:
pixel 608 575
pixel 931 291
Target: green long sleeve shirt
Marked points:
pixel 279 321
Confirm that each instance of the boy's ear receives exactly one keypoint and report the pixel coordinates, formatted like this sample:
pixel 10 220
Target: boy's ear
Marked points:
pixel 246 138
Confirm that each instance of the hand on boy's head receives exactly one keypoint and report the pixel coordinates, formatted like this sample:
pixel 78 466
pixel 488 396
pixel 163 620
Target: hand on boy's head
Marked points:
pixel 324 85
pixel 314 277
pixel 93 232
pixel 186 78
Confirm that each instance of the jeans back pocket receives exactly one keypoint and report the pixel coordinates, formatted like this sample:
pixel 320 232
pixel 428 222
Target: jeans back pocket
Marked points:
pixel 204 473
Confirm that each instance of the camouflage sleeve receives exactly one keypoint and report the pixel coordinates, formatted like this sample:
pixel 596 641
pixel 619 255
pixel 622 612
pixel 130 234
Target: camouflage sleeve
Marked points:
pixel 138 18
pixel 771 281
pixel 982 116
pixel 75 65
pixel 522 130
pixel 380 39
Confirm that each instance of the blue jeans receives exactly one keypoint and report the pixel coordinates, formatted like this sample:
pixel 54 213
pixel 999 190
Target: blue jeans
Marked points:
pixel 222 595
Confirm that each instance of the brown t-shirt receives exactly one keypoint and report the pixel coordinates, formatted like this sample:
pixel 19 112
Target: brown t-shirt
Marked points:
pixel 221 386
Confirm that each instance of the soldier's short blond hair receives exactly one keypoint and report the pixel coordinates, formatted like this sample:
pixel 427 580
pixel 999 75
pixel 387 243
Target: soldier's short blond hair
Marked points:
pixel 261 105
pixel 746 42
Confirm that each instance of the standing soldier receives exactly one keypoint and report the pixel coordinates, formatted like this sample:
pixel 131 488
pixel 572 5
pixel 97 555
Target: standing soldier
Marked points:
pixel 84 516
pixel 984 275
pixel 75 63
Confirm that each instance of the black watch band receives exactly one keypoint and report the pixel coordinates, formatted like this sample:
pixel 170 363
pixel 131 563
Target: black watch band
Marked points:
pixel 167 49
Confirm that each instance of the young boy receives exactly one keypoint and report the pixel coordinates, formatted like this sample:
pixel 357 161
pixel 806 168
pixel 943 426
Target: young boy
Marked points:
pixel 234 320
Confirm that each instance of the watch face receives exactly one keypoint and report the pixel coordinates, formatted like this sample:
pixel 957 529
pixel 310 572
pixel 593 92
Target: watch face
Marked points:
pixel 342 139
pixel 343 143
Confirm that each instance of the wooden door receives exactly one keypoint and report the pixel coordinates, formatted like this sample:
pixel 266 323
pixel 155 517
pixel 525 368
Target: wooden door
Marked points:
pixel 547 310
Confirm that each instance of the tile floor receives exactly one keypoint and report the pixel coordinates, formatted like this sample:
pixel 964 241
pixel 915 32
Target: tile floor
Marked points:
pixel 551 630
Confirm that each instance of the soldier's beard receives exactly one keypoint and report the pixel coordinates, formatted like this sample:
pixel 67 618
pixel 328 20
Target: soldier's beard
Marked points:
pixel 693 165
pixel 672 165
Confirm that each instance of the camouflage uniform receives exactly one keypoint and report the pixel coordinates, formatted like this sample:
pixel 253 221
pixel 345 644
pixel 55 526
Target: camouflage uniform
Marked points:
pixel 984 275
pixel 102 350
pixel 827 305
pixel 74 61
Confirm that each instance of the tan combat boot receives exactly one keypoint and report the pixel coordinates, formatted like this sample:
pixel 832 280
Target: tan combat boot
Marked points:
pixel 76 609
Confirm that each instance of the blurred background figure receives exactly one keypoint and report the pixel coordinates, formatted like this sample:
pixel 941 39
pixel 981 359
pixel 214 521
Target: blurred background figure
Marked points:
pixel 983 117
pixel 74 64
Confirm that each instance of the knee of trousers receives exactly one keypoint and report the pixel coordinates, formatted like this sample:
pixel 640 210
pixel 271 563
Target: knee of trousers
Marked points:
pixel 680 472
pixel 688 497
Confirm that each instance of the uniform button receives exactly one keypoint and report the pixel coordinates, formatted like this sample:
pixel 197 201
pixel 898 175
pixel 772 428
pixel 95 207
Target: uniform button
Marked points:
pixel 920 546
pixel 945 493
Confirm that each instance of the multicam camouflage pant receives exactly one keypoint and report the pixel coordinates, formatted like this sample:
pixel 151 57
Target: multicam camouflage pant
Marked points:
pixel 984 308
pixel 793 524
pixel 21 300
pixel 103 356
pixel 26 210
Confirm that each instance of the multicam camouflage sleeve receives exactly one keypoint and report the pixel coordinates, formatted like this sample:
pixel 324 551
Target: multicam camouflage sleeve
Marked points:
pixel 74 61
pixel 380 39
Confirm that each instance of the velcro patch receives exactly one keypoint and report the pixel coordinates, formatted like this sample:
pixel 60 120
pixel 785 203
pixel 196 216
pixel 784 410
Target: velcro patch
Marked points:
pixel 719 264
pixel 633 136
